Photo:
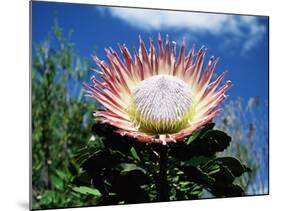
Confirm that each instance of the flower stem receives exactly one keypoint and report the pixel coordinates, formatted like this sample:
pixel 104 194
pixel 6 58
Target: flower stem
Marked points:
pixel 162 185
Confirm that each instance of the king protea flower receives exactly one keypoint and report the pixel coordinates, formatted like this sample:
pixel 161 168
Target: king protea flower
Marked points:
pixel 156 97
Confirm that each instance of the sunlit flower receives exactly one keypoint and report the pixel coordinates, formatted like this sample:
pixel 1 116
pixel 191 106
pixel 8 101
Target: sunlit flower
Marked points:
pixel 157 97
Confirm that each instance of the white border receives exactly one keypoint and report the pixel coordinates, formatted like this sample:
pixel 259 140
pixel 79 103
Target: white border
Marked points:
pixel 14 110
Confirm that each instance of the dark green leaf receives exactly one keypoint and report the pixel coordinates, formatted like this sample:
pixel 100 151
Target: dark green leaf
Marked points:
pixel 233 164
pixel 212 169
pixel 47 197
pixel 198 160
pixel 82 179
pixel 128 187
pixel 219 140
pixel 87 190
pixel 223 176
pixel 134 154
pixel 230 190
pixel 95 143
pixel 126 167
pixel 196 175
pixel 207 144
pixel 199 133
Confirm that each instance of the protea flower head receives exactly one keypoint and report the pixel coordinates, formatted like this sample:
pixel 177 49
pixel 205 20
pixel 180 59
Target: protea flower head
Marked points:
pixel 157 97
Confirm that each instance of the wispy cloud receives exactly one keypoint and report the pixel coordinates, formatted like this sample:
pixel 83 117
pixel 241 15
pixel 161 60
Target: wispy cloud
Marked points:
pixel 246 29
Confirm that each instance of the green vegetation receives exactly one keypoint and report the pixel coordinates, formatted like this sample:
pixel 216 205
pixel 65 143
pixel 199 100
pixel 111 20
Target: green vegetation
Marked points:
pixel 125 171
pixel 61 121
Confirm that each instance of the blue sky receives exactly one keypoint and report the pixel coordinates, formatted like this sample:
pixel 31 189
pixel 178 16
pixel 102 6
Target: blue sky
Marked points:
pixel 241 42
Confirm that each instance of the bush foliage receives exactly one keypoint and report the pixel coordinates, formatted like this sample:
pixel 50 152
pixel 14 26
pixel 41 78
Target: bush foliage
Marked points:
pixel 122 170
pixel 60 121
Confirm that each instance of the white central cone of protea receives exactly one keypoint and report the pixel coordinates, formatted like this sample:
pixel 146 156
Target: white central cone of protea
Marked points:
pixel 161 104
pixel 156 96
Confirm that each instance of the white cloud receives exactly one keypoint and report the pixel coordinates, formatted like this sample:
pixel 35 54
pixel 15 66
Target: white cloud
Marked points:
pixel 246 28
pixel 156 19
pixel 254 35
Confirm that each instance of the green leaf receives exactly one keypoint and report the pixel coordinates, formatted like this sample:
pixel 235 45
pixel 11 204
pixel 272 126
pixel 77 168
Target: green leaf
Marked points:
pixel 230 190
pixel 81 179
pixel 134 154
pixel 224 175
pixel 199 133
pixel 87 190
pixel 47 197
pixel 217 139
pixel 58 183
pixel 95 143
pixel 111 139
pixel 206 144
pixel 233 164
pixel 100 160
pixel 196 175
pixel 127 167
pixel 221 173
pixel 212 169
pixel 61 174
pixel 198 160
